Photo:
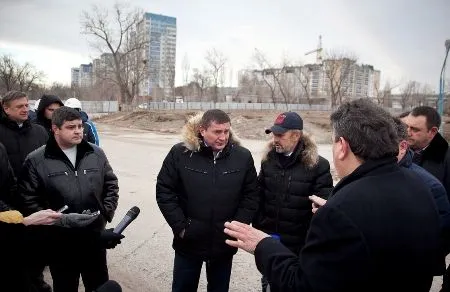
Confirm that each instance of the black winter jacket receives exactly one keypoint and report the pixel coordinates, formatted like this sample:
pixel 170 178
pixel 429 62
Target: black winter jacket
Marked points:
pixel 8 195
pixel 378 231
pixel 20 141
pixel 198 193
pixel 436 160
pixel 46 100
pixel 49 180
pixel 285 208
pixel 88 132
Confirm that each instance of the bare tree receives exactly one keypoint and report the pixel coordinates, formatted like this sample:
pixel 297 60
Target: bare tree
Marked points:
pixel 267 74
pixel 186 70
pixel 338 69
pixel 384 96
pixel 216 61
pixel 272 76
pixel 407 93
pixel 202 81
pixel 423 91
pixel 14 76
pixel 117 35
pixel 169 69
pixel 303 77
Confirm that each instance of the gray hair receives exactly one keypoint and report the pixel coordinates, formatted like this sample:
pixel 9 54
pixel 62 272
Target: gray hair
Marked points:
pixel 12 95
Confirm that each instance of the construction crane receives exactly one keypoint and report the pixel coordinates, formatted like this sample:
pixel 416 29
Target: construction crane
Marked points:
pixel 318 51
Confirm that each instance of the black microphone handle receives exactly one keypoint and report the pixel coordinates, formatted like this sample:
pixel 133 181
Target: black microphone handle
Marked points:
pixel 123 224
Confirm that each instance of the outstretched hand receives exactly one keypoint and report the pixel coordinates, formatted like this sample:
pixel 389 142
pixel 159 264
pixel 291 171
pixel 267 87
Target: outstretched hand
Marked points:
pixel 247 237
pixel 317 202
pixel 43 217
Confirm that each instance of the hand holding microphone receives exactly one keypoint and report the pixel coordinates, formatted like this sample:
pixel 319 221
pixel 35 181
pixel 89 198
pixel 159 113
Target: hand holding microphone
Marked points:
pixel 110 238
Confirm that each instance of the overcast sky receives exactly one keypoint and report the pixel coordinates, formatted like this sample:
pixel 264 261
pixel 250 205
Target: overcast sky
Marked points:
pixel 402 38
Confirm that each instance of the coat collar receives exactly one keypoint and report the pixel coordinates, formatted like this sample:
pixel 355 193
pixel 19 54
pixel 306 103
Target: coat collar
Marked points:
pixel 4 119
pixel 372 167
pixel 437 149
pixel 306 151
pixel 192 139
pixel 52 150
pixel 406 161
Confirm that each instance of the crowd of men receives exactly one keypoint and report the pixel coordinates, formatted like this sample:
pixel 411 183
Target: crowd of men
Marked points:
pixel 383 227
pixel 45 164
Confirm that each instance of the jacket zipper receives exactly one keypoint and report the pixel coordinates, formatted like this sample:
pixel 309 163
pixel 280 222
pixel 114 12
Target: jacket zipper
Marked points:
pixel 215 156
pixel 286 197
pixel 75 170
pixel 279 205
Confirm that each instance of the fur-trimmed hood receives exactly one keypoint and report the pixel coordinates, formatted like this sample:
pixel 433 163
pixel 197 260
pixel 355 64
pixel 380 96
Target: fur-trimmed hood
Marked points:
pixel 191 135
pixel 309 155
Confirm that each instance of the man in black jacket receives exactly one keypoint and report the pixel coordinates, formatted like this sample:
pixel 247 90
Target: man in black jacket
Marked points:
pixel 431 151
pixel 291 171
pixel 70 171
pixel 17 133
pixel 203 182
pixel 7 181
pixel 47 105
pixel 378 231
pixel 20 137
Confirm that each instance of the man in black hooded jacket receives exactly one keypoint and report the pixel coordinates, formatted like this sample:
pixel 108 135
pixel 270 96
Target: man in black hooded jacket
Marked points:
pixel 47 105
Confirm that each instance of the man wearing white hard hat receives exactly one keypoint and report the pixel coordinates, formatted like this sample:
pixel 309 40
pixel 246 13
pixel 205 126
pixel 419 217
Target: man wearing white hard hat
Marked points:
pixel 32 116
pixel 90 131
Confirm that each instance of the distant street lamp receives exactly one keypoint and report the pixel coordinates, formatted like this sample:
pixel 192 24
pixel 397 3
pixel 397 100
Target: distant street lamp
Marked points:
pixel 442 83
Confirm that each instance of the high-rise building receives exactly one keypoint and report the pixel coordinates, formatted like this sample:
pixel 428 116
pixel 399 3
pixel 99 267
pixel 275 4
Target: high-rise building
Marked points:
pixel 159 53
pixel 294 84
pixel 85 75
pixel 103 68
pixel 82 76
pixel 75 76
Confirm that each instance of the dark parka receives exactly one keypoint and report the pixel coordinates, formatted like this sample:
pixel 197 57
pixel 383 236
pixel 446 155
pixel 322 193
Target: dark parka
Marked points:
pixel 7 182
pixel 436 188
pixel 20 141
pixel 378 231
pixel 285 187
pixel 436 160
pixel 198 193
pixel 88 131
pixel 49 180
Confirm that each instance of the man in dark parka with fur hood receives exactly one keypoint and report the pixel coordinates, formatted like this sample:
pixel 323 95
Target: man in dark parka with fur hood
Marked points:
pixel 291 171
pixel 203 182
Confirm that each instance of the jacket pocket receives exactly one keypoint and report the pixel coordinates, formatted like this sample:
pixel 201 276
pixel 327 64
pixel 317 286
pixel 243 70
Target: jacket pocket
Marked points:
pixel 196 170
pixel 59 173
pixel 231 171
pixel 90 170
pixel 196 230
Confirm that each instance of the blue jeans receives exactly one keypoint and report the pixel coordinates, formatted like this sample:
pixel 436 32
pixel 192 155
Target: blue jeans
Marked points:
pixel 186 274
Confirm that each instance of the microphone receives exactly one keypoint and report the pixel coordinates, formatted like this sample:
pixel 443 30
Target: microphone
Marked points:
pixel 127 219
pixel 109 286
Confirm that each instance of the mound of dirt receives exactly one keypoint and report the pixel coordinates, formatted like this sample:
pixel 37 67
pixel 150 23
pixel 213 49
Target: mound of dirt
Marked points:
pixel 246 124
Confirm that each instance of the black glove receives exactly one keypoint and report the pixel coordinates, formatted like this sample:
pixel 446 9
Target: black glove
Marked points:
pixel 74 220
pixel 109 239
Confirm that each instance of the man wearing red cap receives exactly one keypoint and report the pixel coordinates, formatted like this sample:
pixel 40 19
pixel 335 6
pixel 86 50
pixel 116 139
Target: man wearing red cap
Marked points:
pixel 291 171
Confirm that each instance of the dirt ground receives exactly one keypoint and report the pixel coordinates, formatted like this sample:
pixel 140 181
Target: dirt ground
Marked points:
pixel 246 124
pixel 144 260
